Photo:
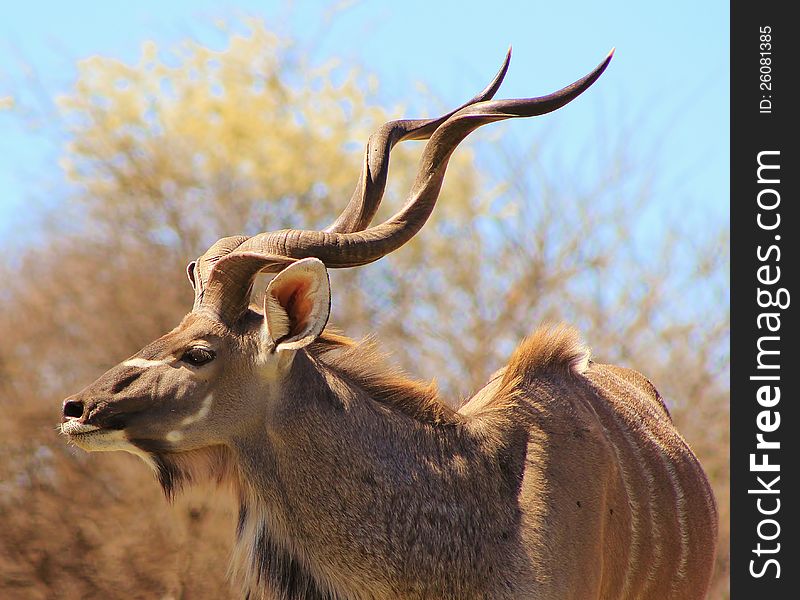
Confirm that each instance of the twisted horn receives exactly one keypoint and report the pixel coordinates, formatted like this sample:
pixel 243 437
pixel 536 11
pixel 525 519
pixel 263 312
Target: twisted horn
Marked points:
pixel 337 249
pixel 366 198
pixel 372 182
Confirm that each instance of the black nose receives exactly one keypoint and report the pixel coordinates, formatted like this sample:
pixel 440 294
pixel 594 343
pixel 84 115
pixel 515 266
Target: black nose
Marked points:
pixel 73 409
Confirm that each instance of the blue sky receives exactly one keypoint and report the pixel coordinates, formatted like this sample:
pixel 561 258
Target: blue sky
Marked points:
pixel 670 74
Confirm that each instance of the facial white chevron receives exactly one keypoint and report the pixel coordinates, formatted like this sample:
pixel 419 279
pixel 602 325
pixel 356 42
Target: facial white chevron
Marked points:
pixel 144 363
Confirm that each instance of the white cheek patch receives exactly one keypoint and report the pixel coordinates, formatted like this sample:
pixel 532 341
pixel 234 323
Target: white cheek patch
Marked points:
pixel 201 413
pixel 143 363
pixel 174 436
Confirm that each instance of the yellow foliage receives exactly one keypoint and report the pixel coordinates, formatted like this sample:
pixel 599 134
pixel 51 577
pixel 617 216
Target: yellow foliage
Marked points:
pixel 219 133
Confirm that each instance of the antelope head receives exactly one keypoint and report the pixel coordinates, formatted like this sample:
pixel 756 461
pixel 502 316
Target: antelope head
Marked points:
pixel 218 374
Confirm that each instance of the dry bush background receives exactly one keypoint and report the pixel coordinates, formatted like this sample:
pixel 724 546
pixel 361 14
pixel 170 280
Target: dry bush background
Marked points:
pixel 164 156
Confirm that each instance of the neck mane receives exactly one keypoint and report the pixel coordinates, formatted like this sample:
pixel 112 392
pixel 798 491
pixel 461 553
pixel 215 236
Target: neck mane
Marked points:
pixel 363 366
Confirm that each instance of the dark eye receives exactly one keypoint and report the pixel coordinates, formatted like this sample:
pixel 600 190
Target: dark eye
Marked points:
pixel 197 356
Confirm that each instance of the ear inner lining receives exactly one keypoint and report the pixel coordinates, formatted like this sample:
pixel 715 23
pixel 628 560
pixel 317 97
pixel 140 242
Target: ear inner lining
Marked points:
pixel 300 304
pixel 297 304
pixel 278 319
pixel 296 301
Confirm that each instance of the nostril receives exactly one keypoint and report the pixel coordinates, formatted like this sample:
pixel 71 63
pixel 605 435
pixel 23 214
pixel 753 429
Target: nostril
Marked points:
pixel 73 408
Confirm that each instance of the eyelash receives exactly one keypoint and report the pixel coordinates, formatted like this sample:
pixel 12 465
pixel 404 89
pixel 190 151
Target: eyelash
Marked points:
pixel 191 356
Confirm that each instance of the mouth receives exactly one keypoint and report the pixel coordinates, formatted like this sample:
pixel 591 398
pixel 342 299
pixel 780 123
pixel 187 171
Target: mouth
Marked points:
pixel 102 439
pixel 74 428
pixel 94 439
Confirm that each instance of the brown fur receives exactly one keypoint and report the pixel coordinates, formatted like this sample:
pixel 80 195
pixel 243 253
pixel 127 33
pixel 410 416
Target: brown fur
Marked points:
pixel 554 349
pixel 561 479
pixel 362 365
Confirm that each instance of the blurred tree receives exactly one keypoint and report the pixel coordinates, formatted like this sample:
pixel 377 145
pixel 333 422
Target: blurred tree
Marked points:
pixel 181 148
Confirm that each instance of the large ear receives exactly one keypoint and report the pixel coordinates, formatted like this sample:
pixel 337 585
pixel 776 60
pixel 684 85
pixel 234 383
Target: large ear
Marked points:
pixel 190 273
pixel 297 304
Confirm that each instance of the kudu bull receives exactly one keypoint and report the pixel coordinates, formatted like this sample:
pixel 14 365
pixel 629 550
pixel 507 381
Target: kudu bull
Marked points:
pixel 561 479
